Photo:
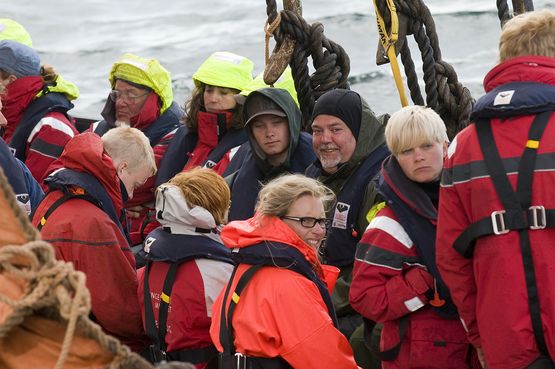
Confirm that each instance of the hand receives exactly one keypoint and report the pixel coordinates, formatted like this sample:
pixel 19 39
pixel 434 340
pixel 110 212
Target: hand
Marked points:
pixel 134 211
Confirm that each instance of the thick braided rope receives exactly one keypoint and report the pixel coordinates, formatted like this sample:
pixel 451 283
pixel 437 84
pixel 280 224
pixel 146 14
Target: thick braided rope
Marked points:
pixel 444 93
pixel 55 290
pixel 330 61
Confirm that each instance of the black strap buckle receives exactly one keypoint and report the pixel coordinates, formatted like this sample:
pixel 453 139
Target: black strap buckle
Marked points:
pixel 537 217
pixel 240 361
pixel 498 222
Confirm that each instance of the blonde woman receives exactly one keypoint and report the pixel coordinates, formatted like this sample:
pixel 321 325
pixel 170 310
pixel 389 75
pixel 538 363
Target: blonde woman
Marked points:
pixel 276 310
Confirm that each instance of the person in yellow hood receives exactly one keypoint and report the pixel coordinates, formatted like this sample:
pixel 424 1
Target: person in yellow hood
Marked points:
pixel 141 96
pixel 213 127
pixel 36 104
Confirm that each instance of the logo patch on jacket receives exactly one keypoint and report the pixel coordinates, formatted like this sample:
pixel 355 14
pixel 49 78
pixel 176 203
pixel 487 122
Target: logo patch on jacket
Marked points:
pixel 148 242
pixel 24 202
pixel 209 164
pixel 341 215
pixel 503 98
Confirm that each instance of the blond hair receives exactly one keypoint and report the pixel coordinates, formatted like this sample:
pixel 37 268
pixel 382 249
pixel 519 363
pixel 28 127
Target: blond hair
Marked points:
pixel 129 144
pixel 413 126
pixel 531 33
pixel 276 197
pixel 205 188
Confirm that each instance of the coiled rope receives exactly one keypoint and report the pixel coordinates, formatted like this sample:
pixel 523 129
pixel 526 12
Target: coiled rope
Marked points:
pixel 444 93
pixel 296 40
pixel 55 291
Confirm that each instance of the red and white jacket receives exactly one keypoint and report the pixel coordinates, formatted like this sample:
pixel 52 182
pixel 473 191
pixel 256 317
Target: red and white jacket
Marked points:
pixel 48 137
pixel 489 289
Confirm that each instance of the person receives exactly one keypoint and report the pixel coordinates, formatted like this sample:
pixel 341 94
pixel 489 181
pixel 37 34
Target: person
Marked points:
pixel 213 127
pixel 191 208
pixel 494 247
pixel 36 105
pixel 27 191
pixel 13 30
pixel 276 146
pixel 395 278
pixel 281 315
pixel 348 140
pixel 80 218
pixel 141 97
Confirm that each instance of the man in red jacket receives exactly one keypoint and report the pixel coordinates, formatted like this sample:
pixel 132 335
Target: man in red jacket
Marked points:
pixel 80 218
pixel 495 235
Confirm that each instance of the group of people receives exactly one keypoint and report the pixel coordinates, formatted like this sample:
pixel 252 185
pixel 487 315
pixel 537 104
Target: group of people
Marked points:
pixel 220 234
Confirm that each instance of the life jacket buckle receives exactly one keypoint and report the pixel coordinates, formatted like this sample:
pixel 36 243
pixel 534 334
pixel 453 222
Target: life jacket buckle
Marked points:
pixel 537 219
pixel 240 361
pixel 498 222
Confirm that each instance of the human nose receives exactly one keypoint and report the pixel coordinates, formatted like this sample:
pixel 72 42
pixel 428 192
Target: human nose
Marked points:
pixel 418 154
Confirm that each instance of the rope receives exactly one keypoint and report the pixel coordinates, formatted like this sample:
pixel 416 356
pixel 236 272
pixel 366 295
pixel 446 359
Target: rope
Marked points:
pixel 329 59
pixel 54 290
pixel 269 29
pixel 519 7
pixel 444 93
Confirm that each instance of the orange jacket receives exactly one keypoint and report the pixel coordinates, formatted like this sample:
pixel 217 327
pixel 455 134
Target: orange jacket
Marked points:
pixel 282 313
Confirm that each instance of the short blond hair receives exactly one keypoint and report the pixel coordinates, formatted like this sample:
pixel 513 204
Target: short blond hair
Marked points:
pixel 531 33
pixel 129 144
pixel 276 197
pixel 413 126
pixel 205 188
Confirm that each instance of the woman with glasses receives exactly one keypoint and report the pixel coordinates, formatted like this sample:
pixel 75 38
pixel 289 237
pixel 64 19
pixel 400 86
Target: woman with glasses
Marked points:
pixel 276 311
pixel 141 97
pixel 395 277
pixel 213 128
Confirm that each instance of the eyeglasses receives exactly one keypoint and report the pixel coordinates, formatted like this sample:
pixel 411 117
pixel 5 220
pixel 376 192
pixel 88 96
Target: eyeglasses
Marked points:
pixel 310 222
pixel 126 95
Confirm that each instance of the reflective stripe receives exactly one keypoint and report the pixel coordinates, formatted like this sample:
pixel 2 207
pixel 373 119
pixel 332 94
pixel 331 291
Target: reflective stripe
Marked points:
pixel 46 148
pixel 52 122
pixel 452 148
pixel 478 170
pixel 414 304
pixel 235 297
pixel 391 227
pixel 165 298
pixel 377 256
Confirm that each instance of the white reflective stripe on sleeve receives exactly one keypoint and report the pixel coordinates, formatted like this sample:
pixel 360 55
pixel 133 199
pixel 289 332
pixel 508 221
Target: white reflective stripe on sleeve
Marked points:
pixel 52 122
pixel 391 227
pixel 414 304
pixel 464 325
pixel 452 148
pixel 233 151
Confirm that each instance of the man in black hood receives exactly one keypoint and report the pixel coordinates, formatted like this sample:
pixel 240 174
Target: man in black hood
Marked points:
pixel 276 146
pixel 350 144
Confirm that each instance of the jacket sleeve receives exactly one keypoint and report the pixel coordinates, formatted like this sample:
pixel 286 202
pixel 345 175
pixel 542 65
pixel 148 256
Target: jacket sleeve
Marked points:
pixel 388 281
pixel 98 249
pixel 457 271
pixel 309 338
pixel 46 143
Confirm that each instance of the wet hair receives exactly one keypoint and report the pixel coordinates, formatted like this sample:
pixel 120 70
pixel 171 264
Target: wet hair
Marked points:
pixel 276 197
pixel 129 144
pixel 205 188
pixel 195 104
pixel 412 126
pixel 531 33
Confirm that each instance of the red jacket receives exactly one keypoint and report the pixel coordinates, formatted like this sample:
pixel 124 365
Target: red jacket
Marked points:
pixel 85 235
pixel 281 313
pixel 489 289
pixel 49 136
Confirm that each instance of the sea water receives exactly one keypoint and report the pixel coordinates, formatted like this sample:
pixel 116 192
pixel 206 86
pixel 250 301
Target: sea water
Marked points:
pixel 82 39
